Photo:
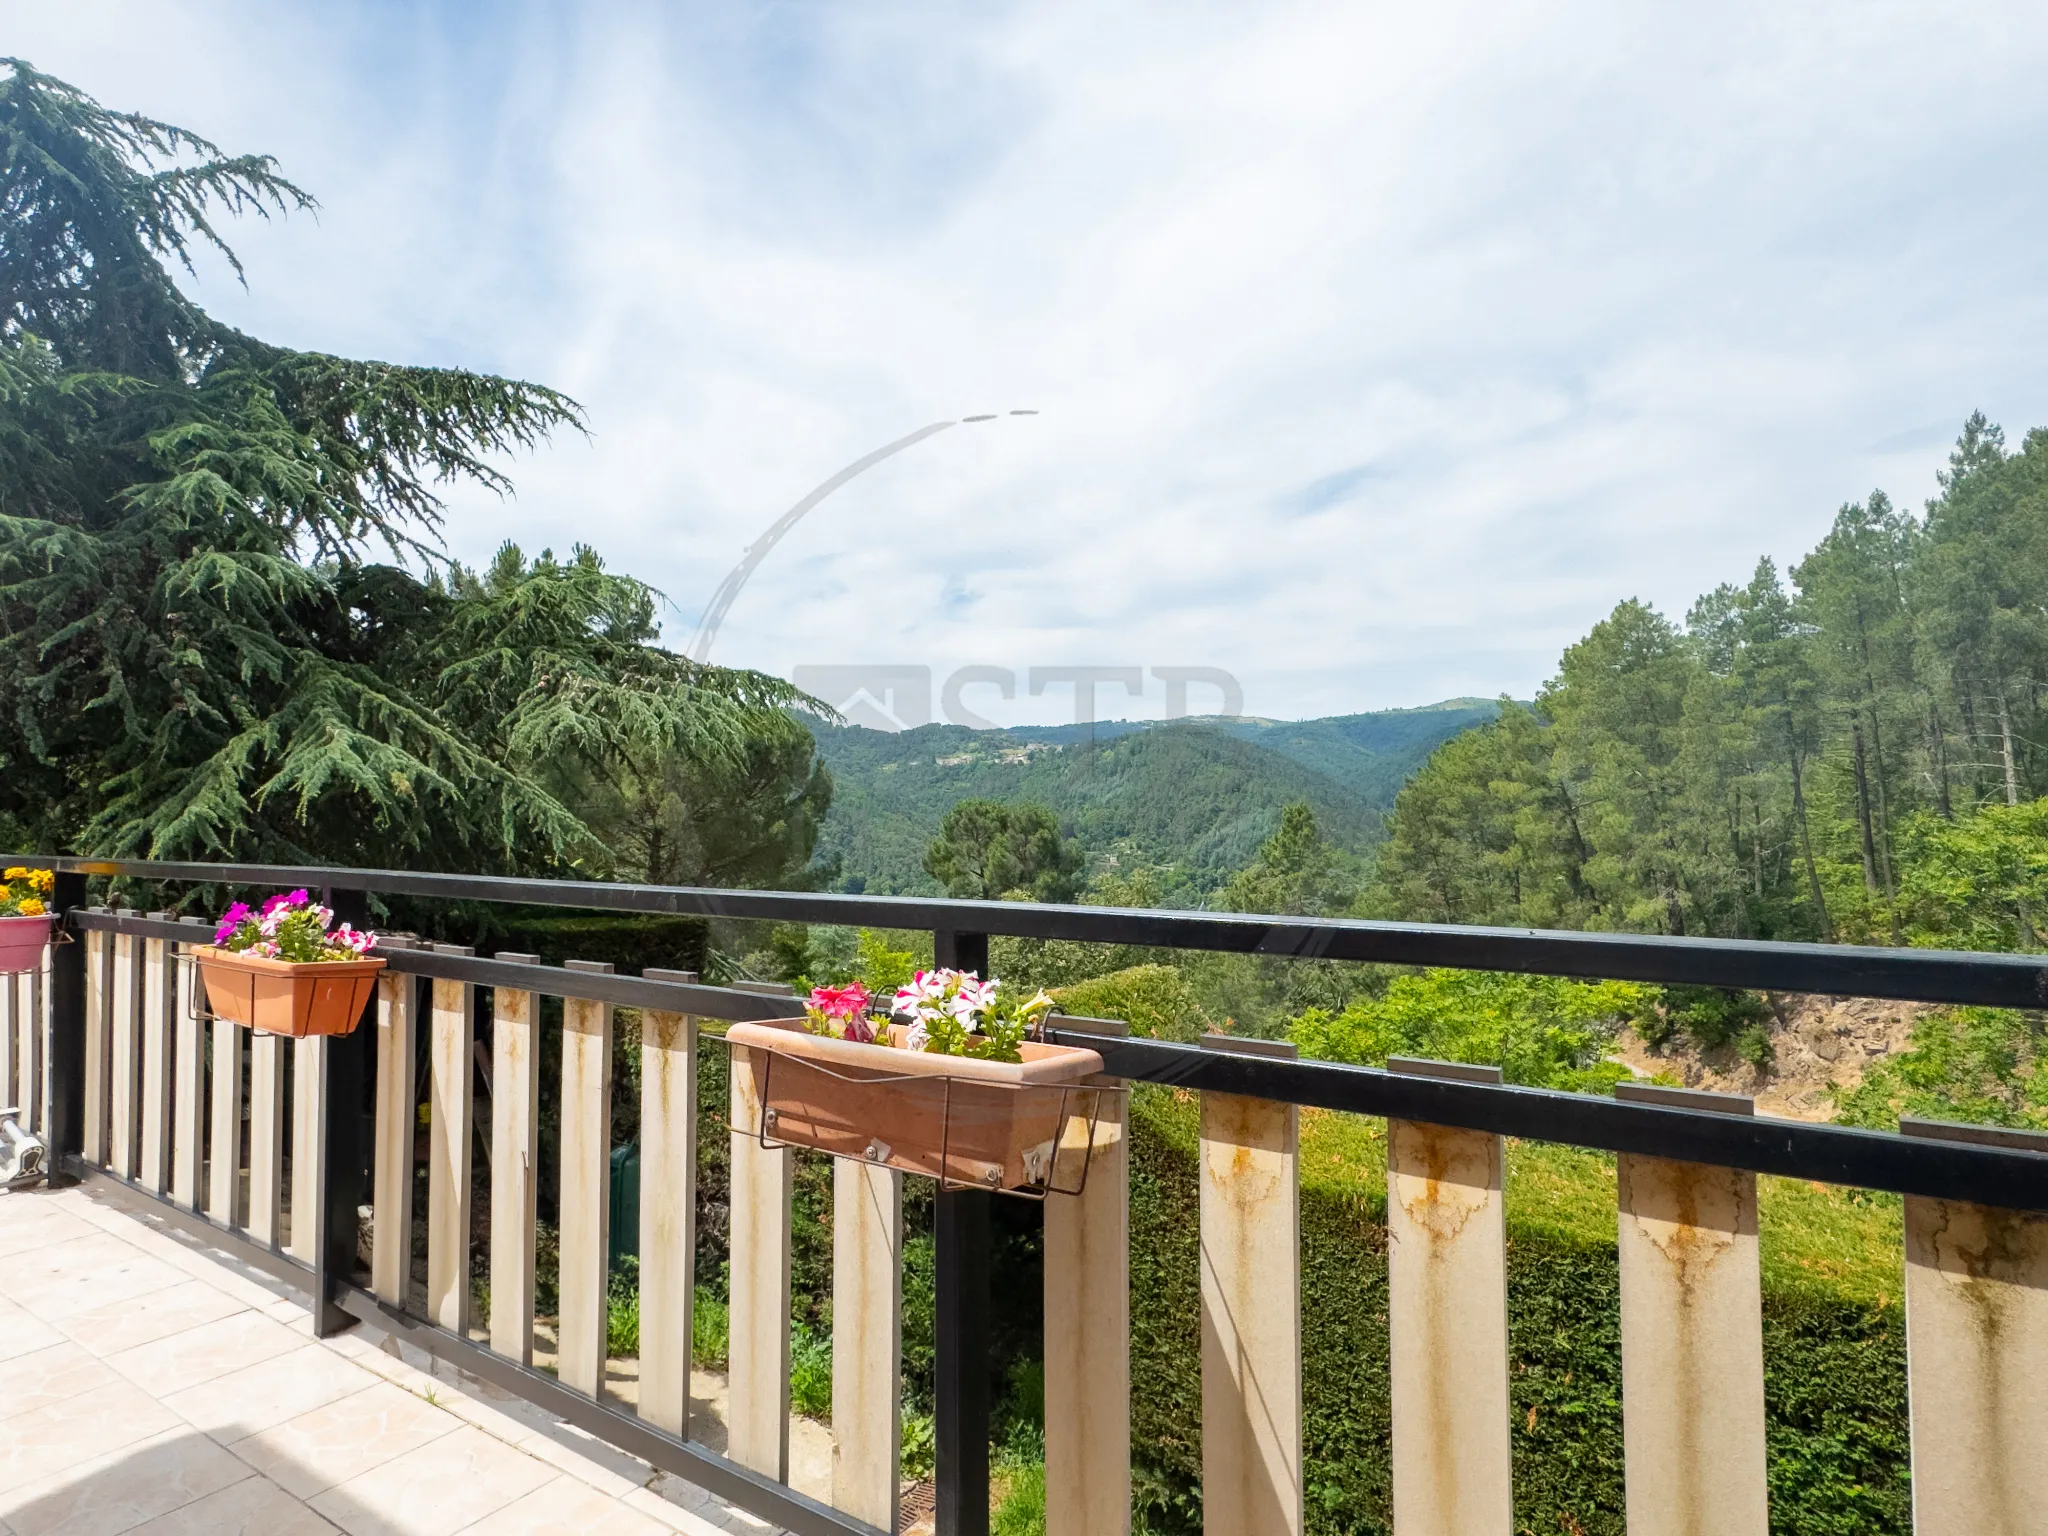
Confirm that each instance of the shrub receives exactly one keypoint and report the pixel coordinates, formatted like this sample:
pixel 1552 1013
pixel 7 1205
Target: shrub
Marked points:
pixel 1834 1362
pixel 1542 1030
pixel 1714 1017
pixel 1978 1064
pixel 1156 1000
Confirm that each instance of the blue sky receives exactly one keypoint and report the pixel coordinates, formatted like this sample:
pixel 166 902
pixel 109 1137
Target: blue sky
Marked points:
pixel 1380 349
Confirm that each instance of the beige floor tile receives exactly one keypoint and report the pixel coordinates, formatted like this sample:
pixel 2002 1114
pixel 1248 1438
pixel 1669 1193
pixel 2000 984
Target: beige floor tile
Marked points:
pixel 78 1429
pixel 153 1238
pixel 26 1224
pixel 100 1211
pixel 566 1507
pixel 68 1198
pixel 115 1327
pixel 253 1507
pixel 691 1522
pixel 269 1392
pixel 181 1360
pixel 506 1418
pixel 401 1374
pixel 33 1382
pixel 22 1334
pixel 251 1290
pixel 344 1439
pixel 295 1315
pixel 355 1343
pixel 435 1490
pixel 144 1319
pixel 77 1276
pixel 118 1492
pixel 216 1267
pixel 590 1461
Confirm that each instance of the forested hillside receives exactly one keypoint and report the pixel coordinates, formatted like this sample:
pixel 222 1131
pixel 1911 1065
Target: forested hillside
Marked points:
pixel 1373 754
pixel 1854 754
pixel 1190 800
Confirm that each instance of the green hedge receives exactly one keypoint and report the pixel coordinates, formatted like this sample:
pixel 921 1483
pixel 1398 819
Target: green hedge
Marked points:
pixel 1834 1344
pixel 631 941
pixel 1835 1367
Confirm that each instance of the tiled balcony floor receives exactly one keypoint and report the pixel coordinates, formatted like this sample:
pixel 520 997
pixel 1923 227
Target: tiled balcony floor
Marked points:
pixel 149 1385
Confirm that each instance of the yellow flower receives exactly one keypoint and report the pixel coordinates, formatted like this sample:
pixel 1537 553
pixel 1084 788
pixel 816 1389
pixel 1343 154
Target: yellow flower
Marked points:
pixel 33 908
pixel 16 873
pixel 43 880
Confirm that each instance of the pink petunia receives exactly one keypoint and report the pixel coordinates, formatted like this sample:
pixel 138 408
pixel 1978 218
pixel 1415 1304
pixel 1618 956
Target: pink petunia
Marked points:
pixel 859 1029
pixel 847 1002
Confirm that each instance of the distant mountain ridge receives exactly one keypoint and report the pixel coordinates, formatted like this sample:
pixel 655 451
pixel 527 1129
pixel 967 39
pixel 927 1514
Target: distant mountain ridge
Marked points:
pixel 1194 797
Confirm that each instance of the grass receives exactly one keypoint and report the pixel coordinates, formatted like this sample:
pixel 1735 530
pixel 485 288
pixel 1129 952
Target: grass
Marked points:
pixel 708 1327
pixel 1018 1500
pixel 1017 1477
pixel 1844 1244
pixel 810 1371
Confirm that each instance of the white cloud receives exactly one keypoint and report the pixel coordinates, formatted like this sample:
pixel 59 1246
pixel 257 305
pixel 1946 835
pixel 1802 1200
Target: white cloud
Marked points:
pixel 1380 349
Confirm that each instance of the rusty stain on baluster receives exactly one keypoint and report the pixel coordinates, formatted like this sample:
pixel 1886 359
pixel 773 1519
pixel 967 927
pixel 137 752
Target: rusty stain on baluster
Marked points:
pixel 1691 1343
pixel 1088 1337
pixel 1447 1291
pixel 1977 1342
pixel 1251 1318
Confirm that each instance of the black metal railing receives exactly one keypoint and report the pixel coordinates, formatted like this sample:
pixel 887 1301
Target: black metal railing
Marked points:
pixel 1942 1168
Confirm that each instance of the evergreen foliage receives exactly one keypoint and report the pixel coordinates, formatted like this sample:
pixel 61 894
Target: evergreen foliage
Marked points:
pixel 1296 873
pixel 1857 756
pixel 199 656
pixel 988 851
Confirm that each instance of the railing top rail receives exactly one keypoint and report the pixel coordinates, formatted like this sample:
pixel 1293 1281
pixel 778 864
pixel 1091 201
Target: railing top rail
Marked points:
pixel 1843 970
pixel 725 1003
pixel 1918 1165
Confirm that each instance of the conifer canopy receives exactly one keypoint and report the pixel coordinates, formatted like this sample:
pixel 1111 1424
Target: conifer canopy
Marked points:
pixel 227 627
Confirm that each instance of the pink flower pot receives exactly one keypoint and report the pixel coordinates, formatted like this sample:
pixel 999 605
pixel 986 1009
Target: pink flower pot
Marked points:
pixel 23 941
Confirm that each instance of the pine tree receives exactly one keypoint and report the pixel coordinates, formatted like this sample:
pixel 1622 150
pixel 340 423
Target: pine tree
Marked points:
pixel 199 655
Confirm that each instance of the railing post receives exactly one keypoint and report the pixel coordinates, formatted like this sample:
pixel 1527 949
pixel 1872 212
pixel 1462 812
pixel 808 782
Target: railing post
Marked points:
pixel 451 1096
pixel 1088 1324
pixel 188 1149
pixel 961 1253
pixel 67 1037
pixel 1977 1340
pixel 397 1119
pixel 1447 1303
pixel 515 1171
pixel 340 1116
pixel 586 1140
pixel 1250 1171
pixel 668 1208
pixel 1692 1354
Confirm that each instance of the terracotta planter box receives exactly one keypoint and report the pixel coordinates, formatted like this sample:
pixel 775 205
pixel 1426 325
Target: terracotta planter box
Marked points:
pixel 286 997
pixel 23 942
pixel 985 1124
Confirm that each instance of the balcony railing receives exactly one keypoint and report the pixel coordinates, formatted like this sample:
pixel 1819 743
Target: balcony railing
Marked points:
pixel 111 1052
